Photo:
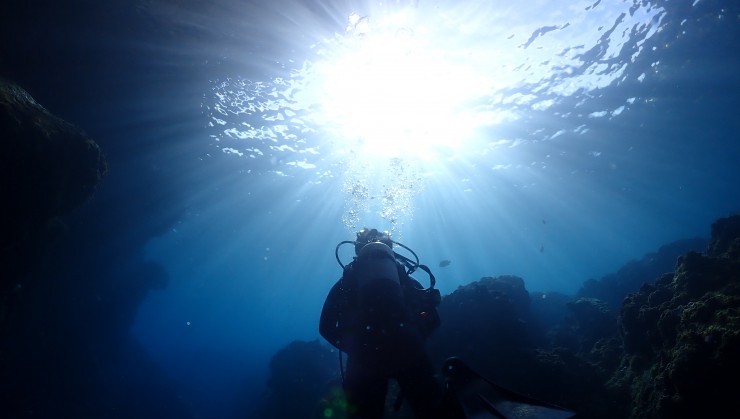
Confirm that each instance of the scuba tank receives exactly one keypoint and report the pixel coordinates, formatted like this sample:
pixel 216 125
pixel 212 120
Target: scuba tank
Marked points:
pixel 380 298
pixel 376 262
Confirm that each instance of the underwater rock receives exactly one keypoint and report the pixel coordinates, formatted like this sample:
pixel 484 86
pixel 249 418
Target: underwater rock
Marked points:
pixel 302 376
pixel 588 330
pixel 490 314
pixel 613 288
pixel 550 308
pixel 682 334
pixel 725 238
pixel 488 324
pixel 570 380
pixel 594 317
pixel 47 167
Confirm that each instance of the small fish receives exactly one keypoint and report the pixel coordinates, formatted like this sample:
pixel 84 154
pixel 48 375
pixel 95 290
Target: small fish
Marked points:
pixel 444 263
pixel 542 248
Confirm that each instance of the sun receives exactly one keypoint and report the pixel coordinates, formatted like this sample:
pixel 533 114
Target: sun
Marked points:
pixel 389 91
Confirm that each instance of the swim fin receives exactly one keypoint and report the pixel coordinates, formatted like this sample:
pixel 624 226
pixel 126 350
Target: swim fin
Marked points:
pixel 479 398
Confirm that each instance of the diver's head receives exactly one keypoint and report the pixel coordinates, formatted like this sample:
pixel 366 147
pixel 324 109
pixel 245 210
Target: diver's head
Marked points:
pixel 367 235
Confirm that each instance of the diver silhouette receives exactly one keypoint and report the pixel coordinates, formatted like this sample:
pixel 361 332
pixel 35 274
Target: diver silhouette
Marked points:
pixel 380 317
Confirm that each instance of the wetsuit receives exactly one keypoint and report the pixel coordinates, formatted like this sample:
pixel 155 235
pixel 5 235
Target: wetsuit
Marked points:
pixel 371 323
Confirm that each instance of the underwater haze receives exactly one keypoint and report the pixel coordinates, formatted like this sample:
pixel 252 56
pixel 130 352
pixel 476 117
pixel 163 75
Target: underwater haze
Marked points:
pixel 554 141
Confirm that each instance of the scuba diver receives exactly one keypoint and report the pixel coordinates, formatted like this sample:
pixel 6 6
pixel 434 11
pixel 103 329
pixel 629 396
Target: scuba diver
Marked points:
pixel 380 317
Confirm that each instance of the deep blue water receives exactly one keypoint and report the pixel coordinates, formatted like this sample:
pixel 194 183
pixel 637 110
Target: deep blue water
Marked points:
pixel 580 137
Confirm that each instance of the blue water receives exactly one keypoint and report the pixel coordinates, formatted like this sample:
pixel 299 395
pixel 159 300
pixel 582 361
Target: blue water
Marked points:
pixel 594 132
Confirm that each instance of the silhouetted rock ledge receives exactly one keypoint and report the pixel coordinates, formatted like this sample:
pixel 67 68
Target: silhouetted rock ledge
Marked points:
pixel 48 167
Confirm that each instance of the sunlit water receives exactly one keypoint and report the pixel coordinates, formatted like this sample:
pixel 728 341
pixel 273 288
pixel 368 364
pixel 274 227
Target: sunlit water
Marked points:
pixel 402 90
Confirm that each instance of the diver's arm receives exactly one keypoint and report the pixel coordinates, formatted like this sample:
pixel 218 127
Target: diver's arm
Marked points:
pixel 329 326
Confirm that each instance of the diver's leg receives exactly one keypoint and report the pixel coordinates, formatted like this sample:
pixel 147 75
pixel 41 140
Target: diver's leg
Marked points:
pixel 421 389
pixel 365 390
